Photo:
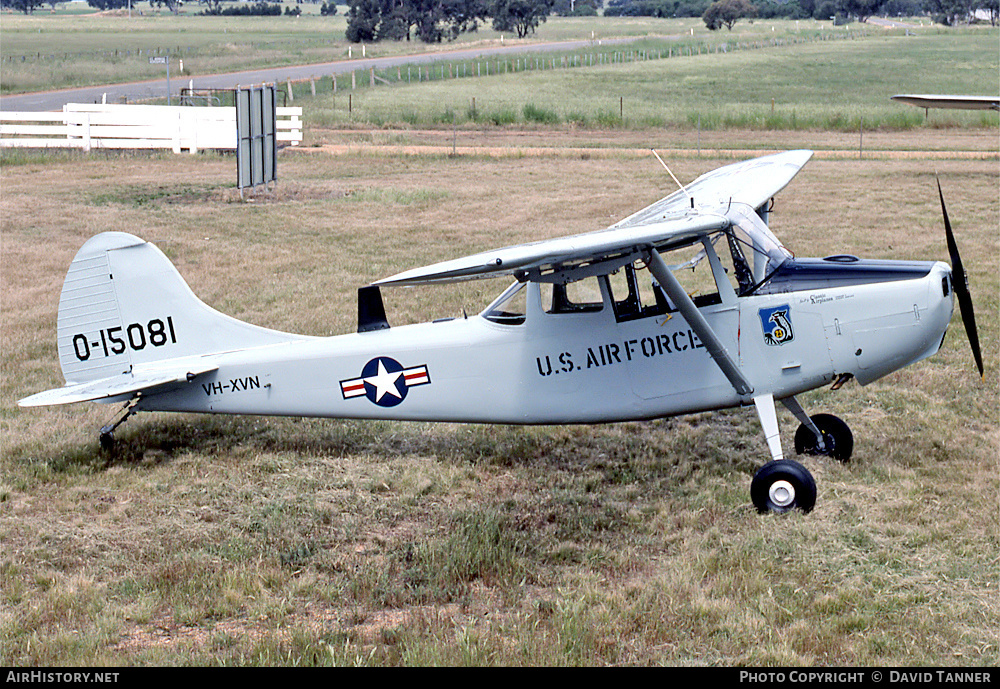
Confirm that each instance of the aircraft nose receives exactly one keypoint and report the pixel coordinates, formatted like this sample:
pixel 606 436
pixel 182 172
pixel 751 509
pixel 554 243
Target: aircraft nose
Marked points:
pixel 943 271
pixel 942 288
pixel 941 302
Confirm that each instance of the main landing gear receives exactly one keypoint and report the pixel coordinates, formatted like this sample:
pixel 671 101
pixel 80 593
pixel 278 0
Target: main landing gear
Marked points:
pixel 107 432
pixel 782 484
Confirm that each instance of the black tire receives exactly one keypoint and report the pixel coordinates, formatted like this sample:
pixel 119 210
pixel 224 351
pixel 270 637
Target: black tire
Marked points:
pixel 782 486
pixel 837 437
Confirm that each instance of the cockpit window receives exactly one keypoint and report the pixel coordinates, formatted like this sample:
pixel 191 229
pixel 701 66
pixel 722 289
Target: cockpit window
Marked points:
pixel 510 307
pixel 740 258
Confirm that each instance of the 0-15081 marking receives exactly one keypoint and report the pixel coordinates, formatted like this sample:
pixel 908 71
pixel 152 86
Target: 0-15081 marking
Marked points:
pixel 135 336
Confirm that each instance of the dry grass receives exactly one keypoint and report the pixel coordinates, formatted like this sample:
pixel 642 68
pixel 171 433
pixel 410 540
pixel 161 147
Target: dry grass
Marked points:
pixel 215 540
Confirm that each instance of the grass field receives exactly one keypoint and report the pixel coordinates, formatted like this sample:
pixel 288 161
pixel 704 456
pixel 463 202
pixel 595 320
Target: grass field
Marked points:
pixel 810 83
pixel 217 540
pixel 250 541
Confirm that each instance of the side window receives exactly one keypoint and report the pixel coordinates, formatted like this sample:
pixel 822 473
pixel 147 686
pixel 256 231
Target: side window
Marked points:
pixel 582 296
pixel 635 293
pixel 692 268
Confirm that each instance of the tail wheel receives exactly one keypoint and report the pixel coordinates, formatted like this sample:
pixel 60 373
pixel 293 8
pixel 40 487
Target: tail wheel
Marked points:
pixel 782 486
pixel 837 438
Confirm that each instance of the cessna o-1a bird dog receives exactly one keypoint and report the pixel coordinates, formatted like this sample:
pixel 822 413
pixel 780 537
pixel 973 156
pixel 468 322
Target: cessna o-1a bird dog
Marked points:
pixel 598 327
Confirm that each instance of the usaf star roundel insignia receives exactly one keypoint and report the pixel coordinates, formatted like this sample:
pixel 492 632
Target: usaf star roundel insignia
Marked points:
pixel 384 381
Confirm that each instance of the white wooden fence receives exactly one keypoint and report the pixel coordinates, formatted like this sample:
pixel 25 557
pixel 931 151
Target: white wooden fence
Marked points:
pixel 178 128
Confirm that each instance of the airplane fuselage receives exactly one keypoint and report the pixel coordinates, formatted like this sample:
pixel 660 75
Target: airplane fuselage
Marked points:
pixel 813 322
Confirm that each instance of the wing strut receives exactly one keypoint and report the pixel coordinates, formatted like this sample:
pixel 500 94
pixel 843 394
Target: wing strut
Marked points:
pixel 697 322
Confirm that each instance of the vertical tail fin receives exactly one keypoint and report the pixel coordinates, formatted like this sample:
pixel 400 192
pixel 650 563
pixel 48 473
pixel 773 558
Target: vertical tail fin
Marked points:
pixel 123 304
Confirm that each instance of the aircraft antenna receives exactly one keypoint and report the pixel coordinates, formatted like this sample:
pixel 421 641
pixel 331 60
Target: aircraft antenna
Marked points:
pixel 676 181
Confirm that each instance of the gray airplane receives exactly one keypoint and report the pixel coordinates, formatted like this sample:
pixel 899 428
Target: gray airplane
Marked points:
pixel 689 305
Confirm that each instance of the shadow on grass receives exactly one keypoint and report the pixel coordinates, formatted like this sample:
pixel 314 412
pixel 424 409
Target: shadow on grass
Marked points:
pixel 666 449
pixel 667 455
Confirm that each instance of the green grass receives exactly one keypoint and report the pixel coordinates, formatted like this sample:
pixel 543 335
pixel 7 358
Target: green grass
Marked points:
pixel 841 84
pixel 774 76
pixel 43 51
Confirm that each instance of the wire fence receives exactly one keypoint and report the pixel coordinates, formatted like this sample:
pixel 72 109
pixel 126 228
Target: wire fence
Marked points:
pixel 502 64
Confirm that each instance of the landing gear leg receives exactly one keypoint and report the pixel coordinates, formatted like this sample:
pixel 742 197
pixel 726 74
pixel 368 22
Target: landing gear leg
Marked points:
pixel 107 432
pixel 781 484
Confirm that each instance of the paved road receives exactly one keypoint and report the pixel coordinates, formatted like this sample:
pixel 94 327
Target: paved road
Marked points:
pixel 54 100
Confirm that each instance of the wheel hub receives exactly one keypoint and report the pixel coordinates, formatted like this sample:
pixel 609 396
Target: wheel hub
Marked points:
pixel 781 493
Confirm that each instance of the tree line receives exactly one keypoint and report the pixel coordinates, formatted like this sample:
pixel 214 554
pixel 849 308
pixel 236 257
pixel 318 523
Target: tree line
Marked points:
pixel 947 12
pixel 433 21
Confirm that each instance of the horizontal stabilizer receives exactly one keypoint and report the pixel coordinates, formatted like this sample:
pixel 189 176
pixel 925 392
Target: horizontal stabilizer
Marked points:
pixel 126 384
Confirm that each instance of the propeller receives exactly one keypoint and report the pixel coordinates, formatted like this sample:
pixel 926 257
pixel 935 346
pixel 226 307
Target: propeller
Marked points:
pixel 960 282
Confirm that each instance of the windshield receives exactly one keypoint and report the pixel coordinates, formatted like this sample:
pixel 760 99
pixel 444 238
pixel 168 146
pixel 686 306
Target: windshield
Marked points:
pixel 761 248
pixel 510 307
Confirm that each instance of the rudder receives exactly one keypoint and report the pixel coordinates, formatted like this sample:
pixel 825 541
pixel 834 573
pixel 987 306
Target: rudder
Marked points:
pixel 123 304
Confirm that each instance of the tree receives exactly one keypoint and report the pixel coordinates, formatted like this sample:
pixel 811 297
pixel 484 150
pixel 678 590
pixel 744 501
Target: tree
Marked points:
pixel 26 6
pixel 172 5
pixel 363 17
pixel 430 20
pixel 726 13
pixel 520 16
pixel 949 12
pixel 860 9
pixel 447 19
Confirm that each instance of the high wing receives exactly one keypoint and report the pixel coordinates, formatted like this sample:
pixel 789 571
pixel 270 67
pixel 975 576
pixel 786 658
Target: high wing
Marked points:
pixel 752 182
pixel 696 210
pixel 123 385
pixel 950 102
pixel 561 253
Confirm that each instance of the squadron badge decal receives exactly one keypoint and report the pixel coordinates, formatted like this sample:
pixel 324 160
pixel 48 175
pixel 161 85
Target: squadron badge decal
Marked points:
pixel 777 324
pixel 384 381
